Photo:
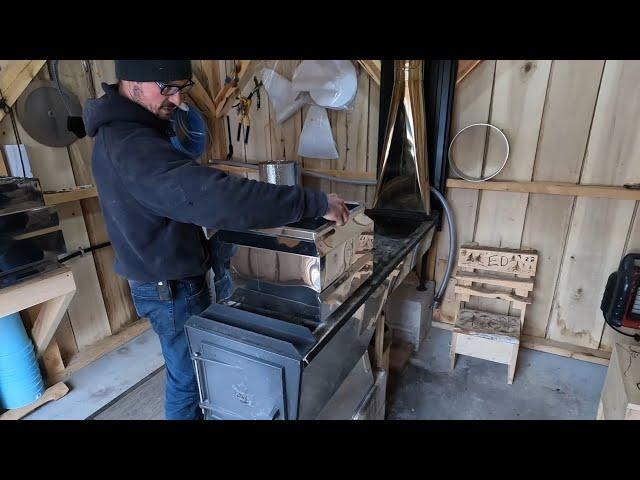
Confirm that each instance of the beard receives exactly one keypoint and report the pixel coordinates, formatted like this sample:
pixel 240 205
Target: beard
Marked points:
pixel 166 110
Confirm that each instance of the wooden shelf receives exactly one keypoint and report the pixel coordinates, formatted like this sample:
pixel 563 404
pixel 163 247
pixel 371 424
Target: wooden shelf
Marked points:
pixel 549 188
pixel 70 196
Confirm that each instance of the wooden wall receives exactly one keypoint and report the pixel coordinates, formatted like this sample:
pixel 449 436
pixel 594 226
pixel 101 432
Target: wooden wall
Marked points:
pixel 569 121
pixel 355 131
pixel 101 306
pixel 566 121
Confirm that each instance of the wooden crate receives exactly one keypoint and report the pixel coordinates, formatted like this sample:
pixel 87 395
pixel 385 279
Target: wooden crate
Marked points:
pixel 620 399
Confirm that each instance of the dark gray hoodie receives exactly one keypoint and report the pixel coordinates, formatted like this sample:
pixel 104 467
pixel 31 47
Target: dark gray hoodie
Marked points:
pixel 155 200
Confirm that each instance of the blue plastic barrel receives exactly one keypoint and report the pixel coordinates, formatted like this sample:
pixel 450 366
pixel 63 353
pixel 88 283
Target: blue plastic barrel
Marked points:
pixel 20 379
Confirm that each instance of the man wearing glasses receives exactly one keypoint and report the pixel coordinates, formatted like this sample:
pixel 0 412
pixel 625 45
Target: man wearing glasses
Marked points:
pixel 155 201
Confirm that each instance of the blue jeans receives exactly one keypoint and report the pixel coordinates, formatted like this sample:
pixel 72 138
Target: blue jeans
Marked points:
pixel 167 318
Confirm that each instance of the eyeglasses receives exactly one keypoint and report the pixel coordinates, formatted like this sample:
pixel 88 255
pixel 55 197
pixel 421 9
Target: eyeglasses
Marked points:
pixel 168 90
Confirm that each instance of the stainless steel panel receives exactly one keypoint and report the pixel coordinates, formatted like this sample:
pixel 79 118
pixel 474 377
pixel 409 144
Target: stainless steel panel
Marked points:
pixel 21 255
pixel 17 225
pixel 18 194
pixel 404 176
pixel 282 299
pixel 323 376
pixel 344 404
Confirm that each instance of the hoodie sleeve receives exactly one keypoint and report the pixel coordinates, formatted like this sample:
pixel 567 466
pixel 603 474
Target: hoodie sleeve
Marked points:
pixel 173 186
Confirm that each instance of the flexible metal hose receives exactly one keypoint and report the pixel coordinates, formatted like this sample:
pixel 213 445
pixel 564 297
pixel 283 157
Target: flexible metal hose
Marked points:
pixel 453 241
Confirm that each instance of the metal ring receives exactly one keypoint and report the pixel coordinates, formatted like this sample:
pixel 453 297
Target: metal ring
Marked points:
pixel 465 176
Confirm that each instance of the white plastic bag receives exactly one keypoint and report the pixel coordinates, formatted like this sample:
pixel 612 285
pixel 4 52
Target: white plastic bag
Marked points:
pixel 316 139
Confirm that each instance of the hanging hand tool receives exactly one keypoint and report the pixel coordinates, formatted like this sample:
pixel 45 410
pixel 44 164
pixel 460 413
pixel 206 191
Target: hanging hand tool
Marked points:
pixel 243 107
pixel 243 111
pixel 230 153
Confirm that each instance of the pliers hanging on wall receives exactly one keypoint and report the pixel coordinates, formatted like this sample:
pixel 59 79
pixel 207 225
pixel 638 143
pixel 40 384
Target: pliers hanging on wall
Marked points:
pixel 242 108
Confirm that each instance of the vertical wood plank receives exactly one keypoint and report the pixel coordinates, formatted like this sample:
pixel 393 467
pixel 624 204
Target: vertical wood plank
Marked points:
pixel 356 133
pixel 338 121
pixel 115 289
pixel 573 90
pixel 212 83
pixel 103 71
pixel 372 136
pixel 258 149
pixel 613 155
pixel 234 120
pixel 517 104
pixel 600 227
pixel 596 242
pixel 285 136
pixel 472 103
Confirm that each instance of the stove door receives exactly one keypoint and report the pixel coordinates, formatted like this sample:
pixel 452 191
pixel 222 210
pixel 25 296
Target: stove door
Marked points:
pixel 246 387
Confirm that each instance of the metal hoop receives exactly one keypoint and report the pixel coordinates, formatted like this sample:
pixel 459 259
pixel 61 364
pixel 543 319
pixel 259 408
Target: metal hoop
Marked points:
pixel 455 168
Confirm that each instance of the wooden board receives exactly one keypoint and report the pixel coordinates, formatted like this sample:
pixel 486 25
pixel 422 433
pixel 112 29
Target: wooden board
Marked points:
pixel 594 247
pixel 372 137
pixel 600 227
pixel 17 78
pixel 36 290
pixel 516 108
pixel 490 293
pixel 614 151
pixel 465 67
pixel 496 279
pixel 115 289
pixel 472 103
pixel 355 129
pixel 549 188
pixel 517 105
pixel 487 325
pixel 504 260
pixel 258 149
pixel 211 70
pixel 70 195
pixel 103 71
pixel 338 122
pixel 487 349
pixel 54 392
pixel 285 136
pixel 573 90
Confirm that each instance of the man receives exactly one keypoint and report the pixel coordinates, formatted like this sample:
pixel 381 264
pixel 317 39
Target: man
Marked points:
pixel 155 201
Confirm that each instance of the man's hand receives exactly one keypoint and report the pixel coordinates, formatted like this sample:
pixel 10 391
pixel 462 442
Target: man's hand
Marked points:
pixel 337 211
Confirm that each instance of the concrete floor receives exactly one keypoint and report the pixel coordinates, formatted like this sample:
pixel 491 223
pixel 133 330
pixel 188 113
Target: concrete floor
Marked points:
pixel 545 386
pixel 129 384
